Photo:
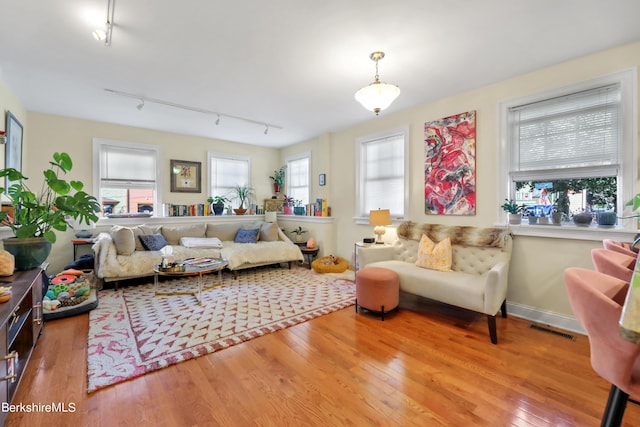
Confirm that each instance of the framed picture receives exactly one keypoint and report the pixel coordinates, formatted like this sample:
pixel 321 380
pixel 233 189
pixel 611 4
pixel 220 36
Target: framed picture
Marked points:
pixel 185 176
pixel 13 147
pixel 323 178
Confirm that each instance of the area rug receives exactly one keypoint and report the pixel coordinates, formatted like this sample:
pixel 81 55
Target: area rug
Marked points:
pixel 133 331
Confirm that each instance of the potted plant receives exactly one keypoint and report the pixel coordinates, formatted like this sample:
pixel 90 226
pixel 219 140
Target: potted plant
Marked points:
pixel 298 209
pixel 38 215
pixel 514 210
pixel 278 179
pixel 583 219
pixel 298 232
pixel 287 205
pixel 217 204
pixel 244 194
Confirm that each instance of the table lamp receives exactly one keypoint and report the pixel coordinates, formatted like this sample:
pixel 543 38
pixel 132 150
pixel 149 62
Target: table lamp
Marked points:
pixel 379 218
pixel 270 217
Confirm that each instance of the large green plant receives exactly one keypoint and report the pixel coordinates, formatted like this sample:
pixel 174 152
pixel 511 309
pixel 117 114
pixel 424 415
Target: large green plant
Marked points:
pixel 39 214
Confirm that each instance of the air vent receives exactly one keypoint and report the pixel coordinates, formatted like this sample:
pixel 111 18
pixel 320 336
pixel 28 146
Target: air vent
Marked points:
pixel 551 331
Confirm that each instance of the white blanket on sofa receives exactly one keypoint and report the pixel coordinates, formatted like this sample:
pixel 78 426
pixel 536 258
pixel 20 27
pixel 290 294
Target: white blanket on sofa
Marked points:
pixel 201 242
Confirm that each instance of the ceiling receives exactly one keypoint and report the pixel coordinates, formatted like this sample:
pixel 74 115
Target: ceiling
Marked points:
pixel 295 64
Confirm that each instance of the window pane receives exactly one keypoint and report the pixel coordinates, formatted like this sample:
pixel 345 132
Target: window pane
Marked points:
pixel 298 179
pixel 226 174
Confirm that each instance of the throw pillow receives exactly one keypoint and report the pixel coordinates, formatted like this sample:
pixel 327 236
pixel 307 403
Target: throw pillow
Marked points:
pixel 432 256
pixel 247 236
pixel 269 232
pixel 153 242
pixel 123 240
pixel 144 229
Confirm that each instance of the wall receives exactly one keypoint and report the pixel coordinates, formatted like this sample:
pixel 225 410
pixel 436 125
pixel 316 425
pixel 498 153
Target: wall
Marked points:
pixel 9 102
pixel 536 280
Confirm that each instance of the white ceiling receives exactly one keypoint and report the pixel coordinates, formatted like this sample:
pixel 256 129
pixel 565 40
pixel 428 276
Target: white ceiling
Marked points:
pixel 291 63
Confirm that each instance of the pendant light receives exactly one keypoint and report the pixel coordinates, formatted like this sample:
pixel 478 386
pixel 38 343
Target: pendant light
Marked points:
pixel 378 95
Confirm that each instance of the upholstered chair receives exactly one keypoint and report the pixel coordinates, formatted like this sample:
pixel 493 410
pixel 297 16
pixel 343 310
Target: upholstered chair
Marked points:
pixel 613 263
pixel 597 301
pixel 622 247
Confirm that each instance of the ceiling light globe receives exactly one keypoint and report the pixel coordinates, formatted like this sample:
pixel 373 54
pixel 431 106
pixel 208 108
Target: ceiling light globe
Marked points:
pixel 377 96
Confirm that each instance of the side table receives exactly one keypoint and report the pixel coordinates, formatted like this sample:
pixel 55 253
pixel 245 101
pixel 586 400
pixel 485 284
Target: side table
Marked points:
pixel 81 242
pixel 309 254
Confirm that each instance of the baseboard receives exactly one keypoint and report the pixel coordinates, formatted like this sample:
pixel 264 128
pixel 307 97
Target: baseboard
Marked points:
pixel 545 317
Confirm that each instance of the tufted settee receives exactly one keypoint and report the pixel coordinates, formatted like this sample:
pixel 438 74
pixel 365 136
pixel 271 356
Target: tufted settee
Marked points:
pixel 480 267
pixel 120 254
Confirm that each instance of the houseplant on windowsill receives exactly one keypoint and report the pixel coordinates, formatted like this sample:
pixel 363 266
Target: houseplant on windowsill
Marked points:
pixel 244 194
pixel 287 205
pixel 298 232
pixel 39 215
pixel 514 210
pixel 217 204
pixel 278 179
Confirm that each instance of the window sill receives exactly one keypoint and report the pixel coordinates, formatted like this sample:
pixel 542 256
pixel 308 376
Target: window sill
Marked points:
pixel 570 231
pixel 211 218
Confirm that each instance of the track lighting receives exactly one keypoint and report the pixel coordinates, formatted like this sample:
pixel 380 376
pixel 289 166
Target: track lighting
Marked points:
pixel 144 99
pixel 105 33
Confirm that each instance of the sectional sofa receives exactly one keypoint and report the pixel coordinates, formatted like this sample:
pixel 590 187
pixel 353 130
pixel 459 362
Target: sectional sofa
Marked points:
pixel 129 252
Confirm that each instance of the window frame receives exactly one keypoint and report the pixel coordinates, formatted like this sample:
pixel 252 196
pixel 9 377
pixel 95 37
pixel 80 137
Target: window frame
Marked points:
pixel 628 150
pixel 362 217
pixel 301 156
pixel 99 143
pixel 226 156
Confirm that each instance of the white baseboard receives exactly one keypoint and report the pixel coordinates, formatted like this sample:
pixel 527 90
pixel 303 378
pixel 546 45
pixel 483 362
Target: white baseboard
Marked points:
pixel 545 317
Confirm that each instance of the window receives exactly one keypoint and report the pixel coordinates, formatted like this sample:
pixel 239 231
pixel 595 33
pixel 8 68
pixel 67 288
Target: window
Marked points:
pixel 381 173
pixel 572 150
pixel 228 171
pixel 297 179
pixel 126 176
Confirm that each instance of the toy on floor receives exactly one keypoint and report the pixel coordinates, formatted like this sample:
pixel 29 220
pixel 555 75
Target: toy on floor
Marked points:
pixel 69 292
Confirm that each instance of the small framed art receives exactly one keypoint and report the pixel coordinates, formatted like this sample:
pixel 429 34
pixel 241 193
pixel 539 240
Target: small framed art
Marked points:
pixel 323 178
pixel 185 176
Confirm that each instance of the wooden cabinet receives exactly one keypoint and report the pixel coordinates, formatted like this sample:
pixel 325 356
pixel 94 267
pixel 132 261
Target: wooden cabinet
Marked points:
pixel 20 326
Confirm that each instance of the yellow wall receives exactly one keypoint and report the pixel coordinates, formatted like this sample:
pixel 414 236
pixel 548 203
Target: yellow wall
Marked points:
pixel 9 102
pixel 537 264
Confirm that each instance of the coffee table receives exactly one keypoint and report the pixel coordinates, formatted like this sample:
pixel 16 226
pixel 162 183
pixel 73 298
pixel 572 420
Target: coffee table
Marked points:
pixel 192 270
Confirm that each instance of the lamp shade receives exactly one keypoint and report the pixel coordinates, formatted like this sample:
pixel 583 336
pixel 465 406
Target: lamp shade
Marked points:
pixel 270 217
pixel 380 217
pixel 377 96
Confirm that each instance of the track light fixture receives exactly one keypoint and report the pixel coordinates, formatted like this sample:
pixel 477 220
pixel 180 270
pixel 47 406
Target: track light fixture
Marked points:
pixel 378 95
pixel 144 99
pixel 105 33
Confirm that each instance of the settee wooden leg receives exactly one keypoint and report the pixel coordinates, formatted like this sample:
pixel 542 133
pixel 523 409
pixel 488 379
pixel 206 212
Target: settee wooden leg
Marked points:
pixel 382 310
pixel 356 305
pixel 289 265
pixel 492 329
pixel 503 309
pixel 235 274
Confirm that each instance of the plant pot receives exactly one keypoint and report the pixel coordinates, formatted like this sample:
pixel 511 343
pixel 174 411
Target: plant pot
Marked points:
pixel 240 211
pixel 298 210
pixel 583 219
pixel 29 253
pixel 288 210
pixel 299 238
pixel 276 188
pixel 217 208
pixel 556 218
pixel 606 219
pixel 544 220
pixel 533 220
pixel 515 219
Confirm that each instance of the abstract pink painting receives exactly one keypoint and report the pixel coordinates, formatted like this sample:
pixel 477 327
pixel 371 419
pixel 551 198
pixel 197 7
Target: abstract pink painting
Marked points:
pixel 450 165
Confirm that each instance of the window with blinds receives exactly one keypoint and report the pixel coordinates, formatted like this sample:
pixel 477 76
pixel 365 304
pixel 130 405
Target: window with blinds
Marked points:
pixel 297 178
pixel 226 173
pixel 381 173
pixel 577 135
pixel 127 176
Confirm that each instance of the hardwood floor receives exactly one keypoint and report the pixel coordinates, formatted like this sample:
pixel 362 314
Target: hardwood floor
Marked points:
pixel 428 365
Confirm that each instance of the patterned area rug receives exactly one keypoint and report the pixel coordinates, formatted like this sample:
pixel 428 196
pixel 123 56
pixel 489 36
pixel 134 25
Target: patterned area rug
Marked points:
pixel 133 332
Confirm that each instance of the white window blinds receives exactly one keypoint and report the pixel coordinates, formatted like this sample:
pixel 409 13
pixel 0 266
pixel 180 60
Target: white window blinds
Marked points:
pixel 126 166
pixel 580 130
pixel 226 174
pixel 383 176
pixel 298 179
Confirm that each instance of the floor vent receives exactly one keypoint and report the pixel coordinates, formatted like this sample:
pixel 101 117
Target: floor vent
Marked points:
pixel 550 331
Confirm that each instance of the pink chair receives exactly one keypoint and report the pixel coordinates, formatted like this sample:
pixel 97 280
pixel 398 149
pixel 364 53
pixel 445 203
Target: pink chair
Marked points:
pixel 623 248
pixel 613 263
pixel 597 301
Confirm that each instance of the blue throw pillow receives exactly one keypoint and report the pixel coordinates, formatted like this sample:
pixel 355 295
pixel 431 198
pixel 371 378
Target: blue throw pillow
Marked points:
pixel 247 236
pixel 153 242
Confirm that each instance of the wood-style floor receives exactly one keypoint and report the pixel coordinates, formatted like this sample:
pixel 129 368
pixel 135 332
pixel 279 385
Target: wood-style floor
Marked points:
pixel 428 365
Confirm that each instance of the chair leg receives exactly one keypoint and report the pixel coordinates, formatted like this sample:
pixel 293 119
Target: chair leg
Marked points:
pixel 503 309
pixel 491 320
pixel 382 309
pixel 614 411
pixel 356 305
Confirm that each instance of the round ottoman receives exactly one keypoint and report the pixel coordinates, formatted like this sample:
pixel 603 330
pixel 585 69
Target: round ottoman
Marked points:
pixel 377 289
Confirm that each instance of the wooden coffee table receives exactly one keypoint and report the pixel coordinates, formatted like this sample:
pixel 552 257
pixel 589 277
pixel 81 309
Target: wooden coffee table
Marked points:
pixel 192 270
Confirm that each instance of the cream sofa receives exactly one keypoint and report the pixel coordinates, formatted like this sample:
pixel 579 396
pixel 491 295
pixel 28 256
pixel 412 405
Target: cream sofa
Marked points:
pixel 120 254
pixel 480 264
